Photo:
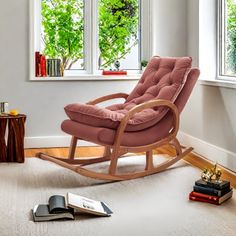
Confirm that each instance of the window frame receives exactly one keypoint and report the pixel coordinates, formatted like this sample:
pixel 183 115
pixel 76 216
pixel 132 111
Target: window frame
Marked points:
pixel 91 70
pixel 221 24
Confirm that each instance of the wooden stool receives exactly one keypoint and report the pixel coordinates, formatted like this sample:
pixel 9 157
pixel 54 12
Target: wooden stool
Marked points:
pixel 14 150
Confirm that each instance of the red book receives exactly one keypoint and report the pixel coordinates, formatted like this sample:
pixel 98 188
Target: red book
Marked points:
pixel 43 66
pixel 205 196
pixel 110 72
pixel 37 64
pixel 200 197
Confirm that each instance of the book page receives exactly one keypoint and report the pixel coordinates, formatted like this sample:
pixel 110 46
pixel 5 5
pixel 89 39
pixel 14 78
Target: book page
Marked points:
pixel 84 203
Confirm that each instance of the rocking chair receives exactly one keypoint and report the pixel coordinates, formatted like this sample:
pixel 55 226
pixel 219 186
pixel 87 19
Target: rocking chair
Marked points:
pixel 148 119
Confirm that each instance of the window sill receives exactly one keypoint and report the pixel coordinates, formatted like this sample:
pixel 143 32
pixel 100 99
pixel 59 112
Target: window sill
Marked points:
pixel 218 83
pixel 89 78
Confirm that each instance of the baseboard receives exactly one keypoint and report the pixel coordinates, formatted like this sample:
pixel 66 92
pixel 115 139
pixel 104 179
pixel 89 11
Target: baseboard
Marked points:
pixel 52 141
pixel 210 151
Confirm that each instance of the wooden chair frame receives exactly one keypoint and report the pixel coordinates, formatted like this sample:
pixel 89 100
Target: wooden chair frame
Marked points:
pixel 114 152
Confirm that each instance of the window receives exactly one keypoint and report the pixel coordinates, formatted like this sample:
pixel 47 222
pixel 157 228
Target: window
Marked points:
pixel 227 38
pixel 76 37
pixel 119 33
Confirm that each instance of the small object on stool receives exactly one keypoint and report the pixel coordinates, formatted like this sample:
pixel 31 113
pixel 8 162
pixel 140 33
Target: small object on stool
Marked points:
pixel 3 108
pixel 14 112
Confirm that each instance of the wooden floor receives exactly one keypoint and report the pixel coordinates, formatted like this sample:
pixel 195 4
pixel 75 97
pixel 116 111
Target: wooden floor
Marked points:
pixel 192 158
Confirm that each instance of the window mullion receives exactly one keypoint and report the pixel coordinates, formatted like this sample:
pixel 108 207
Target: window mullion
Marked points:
pixel 94 36
pixel 91 36
pixel 146 29
pixel 87 36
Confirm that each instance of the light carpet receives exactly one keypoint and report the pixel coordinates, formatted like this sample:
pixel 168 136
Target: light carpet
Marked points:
pixel 154 205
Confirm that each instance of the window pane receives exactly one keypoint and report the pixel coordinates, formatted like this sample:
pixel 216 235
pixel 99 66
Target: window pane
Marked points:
pixel 62 32
pixel 119 34
pixel 229 38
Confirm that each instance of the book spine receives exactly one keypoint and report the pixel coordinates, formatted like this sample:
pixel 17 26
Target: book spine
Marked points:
pixel 209 191
pixel 47 68
pixel 40 68
pixel 37 62
pixel 226 185
pixel 43 66
pixel 198 199
pixel 55 67
pixel 205 196
pixel 58 67
pixel 50 69
pixel 53 64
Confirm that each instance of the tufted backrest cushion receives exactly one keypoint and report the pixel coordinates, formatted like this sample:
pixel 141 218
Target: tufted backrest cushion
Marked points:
pixel 163 78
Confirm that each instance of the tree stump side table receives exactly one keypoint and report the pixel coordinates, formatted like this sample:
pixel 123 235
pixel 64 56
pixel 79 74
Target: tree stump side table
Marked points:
pixel 13 151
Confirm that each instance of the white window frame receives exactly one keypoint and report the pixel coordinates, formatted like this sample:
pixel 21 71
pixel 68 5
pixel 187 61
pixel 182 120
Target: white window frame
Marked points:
pixel 221 43
pixel 90 71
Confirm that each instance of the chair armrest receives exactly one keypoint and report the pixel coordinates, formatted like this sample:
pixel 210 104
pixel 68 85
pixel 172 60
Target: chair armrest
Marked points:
pixel 108 97
pixel 143 106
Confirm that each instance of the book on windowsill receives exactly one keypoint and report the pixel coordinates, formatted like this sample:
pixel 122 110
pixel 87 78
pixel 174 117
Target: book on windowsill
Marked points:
pixel 114 72
pixel 65 208
pixel 200 197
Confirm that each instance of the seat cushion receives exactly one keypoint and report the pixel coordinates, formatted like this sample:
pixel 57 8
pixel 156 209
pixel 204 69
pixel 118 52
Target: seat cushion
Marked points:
pixel 106 136
pixel 163 78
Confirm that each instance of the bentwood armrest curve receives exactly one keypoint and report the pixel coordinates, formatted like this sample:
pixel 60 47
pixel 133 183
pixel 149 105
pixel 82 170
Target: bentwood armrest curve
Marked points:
pixel 143 106
pixel 108 97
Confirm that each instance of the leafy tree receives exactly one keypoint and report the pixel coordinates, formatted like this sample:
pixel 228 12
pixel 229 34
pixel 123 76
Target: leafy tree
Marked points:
pixel 63 30
pixel 63 26
pixel 118 27
pixel 231 36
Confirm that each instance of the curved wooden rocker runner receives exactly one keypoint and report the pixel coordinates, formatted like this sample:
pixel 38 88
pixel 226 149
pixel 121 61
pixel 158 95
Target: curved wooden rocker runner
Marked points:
pixel 140 124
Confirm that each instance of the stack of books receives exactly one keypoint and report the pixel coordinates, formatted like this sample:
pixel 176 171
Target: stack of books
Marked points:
pixel 214 192
pixel 47 67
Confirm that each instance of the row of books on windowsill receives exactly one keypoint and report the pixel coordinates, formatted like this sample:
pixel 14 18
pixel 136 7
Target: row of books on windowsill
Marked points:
pixel 47 67
pixel 215 192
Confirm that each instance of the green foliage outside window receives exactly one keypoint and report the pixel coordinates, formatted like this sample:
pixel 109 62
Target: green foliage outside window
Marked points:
pixel 118 27
pixel 63 30
pixel 231 36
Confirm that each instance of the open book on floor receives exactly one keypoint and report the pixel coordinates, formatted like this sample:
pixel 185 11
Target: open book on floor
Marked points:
pixel 86 205
pixel 64 208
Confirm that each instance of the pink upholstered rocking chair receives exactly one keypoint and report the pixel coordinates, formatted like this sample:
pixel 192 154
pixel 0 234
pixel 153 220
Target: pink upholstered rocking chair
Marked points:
pixel 148 119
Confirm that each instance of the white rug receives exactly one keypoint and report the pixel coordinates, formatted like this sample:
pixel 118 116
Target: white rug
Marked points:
pixel 154 205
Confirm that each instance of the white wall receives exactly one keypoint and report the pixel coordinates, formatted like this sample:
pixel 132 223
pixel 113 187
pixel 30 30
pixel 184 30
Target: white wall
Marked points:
pixel 170 27
pixel 209 120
